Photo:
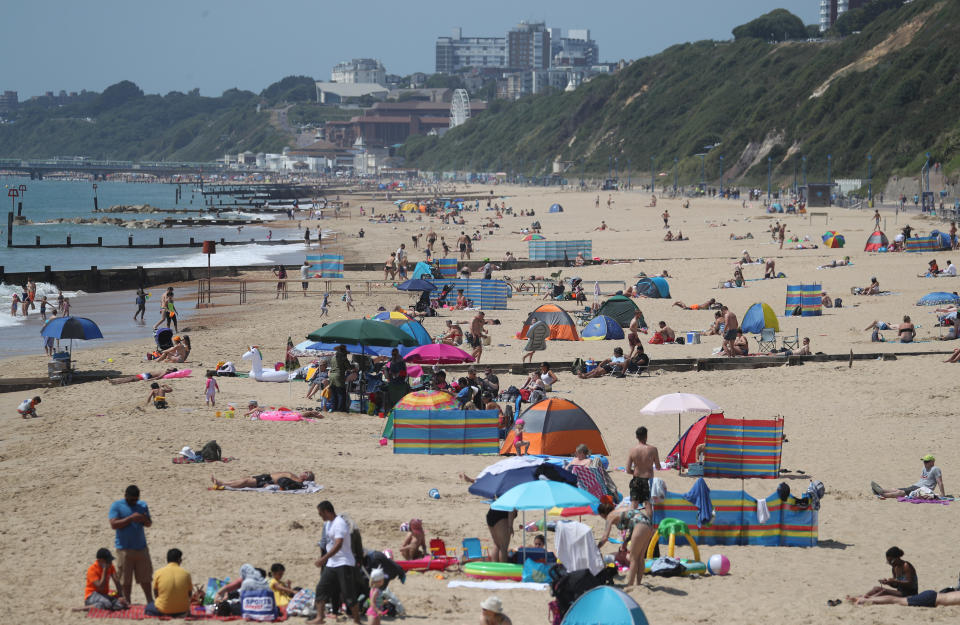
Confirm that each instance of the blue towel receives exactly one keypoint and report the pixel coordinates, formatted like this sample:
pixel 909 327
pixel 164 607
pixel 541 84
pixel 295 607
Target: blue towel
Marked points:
pixel 699 496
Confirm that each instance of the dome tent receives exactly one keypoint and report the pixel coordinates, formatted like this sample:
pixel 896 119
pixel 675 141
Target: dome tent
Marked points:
pixel 620 308
pixel 562 327
pixel 602 328
pixel 653 287
pixel 758 317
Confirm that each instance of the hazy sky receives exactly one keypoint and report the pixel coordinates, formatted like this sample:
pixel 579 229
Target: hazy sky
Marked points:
pixel 177 45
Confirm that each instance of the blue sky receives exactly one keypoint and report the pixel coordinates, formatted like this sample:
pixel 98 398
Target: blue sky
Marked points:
pixel 177 45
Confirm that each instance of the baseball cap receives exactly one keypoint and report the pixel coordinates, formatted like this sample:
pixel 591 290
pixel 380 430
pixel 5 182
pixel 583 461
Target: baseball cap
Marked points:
pixel 927 458
pixel 104 554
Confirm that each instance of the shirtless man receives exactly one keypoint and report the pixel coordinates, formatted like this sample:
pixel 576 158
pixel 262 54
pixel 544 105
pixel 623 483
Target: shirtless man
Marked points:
pixel 769 269
pixel 643 458
pixel 633 335
pixel 431 239
pixel 667 332
pixel 477 332
pixel 259 481
pixel 666 219
pixel 463 243
pixel 730 327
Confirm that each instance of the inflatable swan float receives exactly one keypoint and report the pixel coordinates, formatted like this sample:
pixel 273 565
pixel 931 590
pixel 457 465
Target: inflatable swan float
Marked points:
pixel 256 368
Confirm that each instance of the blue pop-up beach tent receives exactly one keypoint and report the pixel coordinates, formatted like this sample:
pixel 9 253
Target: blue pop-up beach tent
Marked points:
pixel 602 328
pixel 758 317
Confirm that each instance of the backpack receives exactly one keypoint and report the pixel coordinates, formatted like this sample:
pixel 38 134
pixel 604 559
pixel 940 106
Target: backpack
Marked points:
pixel 211 452
pixel 578 366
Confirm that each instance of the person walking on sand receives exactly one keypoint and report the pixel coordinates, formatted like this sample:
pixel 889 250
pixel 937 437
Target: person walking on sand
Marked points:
pixel 168 311
pixel 325 305
pixel 666 218
pixel 210 391
pixel 141 304
pixel 281 273
pixel 876 219
pixel 305 277
pixel 782 234
pixel 337 577
pixel 128 517
pixel 640 464
pixel 348 297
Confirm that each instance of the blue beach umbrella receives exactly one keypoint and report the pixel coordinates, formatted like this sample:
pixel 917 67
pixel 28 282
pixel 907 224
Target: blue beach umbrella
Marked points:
pixel 605 605
pixel 543 495
pixel 72 328
pixel 493 485
pixel 937 298
pixel 416 285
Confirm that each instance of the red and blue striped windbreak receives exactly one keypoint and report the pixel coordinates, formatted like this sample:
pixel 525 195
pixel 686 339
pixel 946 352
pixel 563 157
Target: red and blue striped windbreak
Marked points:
pixel 742 448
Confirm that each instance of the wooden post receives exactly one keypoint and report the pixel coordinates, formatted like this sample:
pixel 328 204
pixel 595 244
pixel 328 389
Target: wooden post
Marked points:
pixel 10 229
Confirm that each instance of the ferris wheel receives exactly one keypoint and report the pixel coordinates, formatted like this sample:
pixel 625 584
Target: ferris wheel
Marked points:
pixel 459 108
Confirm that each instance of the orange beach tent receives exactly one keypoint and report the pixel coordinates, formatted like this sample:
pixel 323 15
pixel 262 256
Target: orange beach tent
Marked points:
pixel 555 427
pixel 562 327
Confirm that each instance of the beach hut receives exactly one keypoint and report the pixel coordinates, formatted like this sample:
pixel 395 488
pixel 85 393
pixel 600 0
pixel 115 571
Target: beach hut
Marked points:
pixel 602 328
pixel 653 287
pixel 620 308
pixel 556 208
pixel 555 427
pixel 758 317
pixel 876 241
pixel 562 327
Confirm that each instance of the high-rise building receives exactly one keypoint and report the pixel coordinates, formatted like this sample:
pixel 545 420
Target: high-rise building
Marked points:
pixel 458 53
pixel 528 46
pixel 364 71
pixel 8 101
pixel 574 50
pixel 831 10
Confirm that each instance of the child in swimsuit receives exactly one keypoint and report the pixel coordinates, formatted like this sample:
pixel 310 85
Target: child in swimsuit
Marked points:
pixel 211 389
pixel 519 444
pixel 375 611
pixel 158 395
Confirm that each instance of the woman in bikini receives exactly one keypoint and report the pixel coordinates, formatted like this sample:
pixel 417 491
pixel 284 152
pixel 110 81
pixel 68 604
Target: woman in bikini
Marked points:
pixel 639 530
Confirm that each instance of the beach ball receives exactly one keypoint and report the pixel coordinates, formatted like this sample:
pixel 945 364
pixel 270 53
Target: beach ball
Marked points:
pixel 718 564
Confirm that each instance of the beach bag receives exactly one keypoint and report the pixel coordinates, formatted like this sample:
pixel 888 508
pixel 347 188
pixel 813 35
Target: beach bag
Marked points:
pixel 211 452
pixel 838 303
pixel 667 567
pixel 538 572
pixel 579 366
pixel 302 603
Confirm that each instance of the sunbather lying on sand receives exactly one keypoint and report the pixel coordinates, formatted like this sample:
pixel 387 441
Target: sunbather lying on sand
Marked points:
pixel 149 375
pixel 265 479
pixel 837 263
pixel 710 303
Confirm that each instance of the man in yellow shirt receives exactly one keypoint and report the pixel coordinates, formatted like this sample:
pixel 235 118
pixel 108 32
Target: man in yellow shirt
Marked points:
pixel 171 587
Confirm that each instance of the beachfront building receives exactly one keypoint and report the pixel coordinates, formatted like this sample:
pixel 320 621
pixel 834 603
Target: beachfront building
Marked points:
pixel 349 93
pixel 8 101
pixel 458 53
pixel 359 71
pixel 831 10
pixel 390 123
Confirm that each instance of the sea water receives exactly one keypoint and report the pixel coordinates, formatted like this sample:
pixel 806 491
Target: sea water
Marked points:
pixel 45 200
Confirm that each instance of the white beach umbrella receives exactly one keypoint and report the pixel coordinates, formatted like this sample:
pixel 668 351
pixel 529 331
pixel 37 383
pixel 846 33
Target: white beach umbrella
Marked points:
pixel 680 404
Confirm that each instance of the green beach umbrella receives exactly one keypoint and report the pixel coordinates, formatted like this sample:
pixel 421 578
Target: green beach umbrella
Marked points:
pixel 363 332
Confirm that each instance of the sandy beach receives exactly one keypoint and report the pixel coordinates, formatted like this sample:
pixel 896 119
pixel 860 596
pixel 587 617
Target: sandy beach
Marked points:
pixel 846 425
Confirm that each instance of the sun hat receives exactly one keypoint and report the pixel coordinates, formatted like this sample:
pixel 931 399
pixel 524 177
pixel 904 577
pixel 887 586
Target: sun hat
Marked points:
pixel 377 575
pixel 928 458
pixel 492 604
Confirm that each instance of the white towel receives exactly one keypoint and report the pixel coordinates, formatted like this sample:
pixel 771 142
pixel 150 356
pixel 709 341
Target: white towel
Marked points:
pixel 763 513
pixel 492 585
pixel 576 548
pixel 308 487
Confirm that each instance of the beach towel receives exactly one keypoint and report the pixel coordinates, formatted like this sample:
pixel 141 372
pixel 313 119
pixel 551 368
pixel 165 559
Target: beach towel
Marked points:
pixel 198 460
pixel 587 480
pixel 308 487
pixel 492 585
pixel 699 495
pixel 136 613
pixel 943 502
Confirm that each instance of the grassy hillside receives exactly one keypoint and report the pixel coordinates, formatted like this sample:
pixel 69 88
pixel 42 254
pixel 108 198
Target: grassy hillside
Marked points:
pixel 894 94
pixel 123 123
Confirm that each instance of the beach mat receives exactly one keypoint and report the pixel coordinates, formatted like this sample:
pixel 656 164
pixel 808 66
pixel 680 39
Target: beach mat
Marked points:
pixel 942 502
pixel 183 460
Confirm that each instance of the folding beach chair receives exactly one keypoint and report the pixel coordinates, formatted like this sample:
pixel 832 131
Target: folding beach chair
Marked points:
pixel 474 550
pixel 791 342
pixel 438 547
pixel 767 341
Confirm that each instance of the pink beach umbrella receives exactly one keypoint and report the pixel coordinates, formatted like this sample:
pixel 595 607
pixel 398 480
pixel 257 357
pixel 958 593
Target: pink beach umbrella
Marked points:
pixel 438 354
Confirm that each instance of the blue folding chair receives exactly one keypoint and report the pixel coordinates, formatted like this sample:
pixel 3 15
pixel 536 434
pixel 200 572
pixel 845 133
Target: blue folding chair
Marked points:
pixel 473 550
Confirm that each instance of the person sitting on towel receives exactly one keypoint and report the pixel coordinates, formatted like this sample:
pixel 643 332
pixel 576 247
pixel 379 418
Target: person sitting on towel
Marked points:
pixel 280 478
pixel 931 477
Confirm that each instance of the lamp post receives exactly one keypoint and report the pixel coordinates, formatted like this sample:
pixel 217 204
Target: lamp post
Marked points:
pixel 675 174
pixel 581 172
pixel 769 174
pixel 628 173
pixel 721 175
pixel 653 168
pixel 829 181
pixel 610 167
pixel 616 169
pixel 703 171
pixel 803 164
pixel 870 179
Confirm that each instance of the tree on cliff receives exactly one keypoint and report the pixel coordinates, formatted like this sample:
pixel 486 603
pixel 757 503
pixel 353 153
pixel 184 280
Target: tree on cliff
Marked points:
pixel 777 25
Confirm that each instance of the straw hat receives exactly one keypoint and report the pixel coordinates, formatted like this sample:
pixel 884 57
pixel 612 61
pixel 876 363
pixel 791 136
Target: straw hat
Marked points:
pixel 492 604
